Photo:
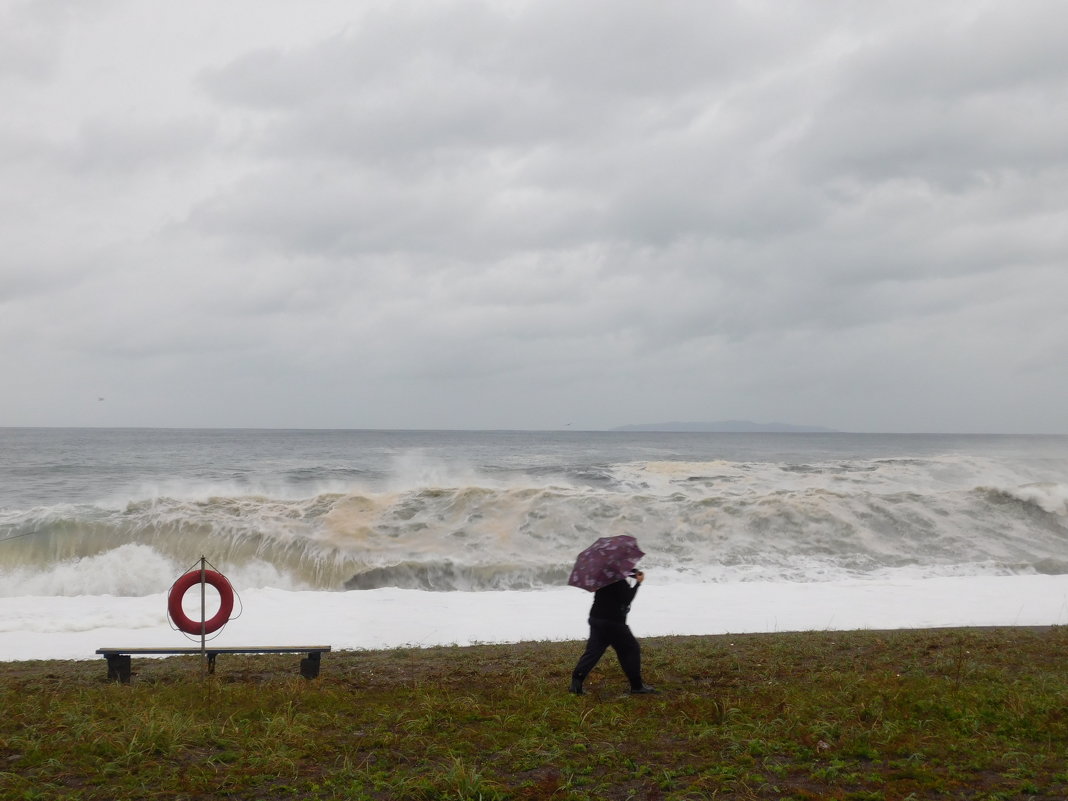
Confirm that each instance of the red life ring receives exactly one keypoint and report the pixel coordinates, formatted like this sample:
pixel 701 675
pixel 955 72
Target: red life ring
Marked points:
pixel 178 591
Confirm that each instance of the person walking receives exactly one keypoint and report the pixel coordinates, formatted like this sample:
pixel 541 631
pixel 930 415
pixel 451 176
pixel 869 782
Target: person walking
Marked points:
pixel 608 627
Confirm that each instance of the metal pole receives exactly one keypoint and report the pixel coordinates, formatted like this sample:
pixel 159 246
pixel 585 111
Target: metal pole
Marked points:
pixel 203 616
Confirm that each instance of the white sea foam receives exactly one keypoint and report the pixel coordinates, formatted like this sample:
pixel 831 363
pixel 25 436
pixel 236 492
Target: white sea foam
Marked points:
pixel 126 570
pixel 417 468
pixel 1051 498
pixel 129 570
pixel 73 628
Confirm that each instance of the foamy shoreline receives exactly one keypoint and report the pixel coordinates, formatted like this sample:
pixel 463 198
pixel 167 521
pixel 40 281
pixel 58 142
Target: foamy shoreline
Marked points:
pixel 74 627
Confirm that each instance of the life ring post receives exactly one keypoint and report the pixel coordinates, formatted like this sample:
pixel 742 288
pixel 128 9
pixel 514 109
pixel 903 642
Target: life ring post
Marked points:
pixel 203 612
pixel 205 626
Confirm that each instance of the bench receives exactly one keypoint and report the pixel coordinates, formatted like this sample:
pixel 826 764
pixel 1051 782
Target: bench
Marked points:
pixel 119 658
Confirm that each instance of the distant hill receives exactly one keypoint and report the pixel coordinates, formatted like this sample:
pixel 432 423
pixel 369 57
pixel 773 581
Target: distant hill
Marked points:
pixel 729 427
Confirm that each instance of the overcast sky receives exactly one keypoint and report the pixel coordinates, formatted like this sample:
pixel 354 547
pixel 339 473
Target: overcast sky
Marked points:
pixel 545 214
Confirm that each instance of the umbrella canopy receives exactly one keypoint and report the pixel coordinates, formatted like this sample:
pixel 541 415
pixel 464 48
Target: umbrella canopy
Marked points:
pixel 605 562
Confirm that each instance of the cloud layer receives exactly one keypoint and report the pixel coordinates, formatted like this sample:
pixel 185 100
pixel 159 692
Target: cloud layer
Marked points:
pixel 529 215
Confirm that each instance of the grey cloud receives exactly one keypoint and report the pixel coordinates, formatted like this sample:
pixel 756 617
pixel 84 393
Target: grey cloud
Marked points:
pixel 485 215
pixel 578 152
pixel 470 77
pixel 968 50
pixel 29 39
pixel 106 145
pixel 950 99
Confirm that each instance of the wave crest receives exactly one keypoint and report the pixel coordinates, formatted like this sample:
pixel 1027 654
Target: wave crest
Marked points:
pixel 697 521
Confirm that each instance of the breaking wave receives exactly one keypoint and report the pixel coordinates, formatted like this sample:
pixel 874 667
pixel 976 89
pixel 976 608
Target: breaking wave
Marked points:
pixel 705 521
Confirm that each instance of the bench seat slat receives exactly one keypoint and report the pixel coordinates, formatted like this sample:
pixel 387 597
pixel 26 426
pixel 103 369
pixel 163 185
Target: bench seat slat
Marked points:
pixel 238 649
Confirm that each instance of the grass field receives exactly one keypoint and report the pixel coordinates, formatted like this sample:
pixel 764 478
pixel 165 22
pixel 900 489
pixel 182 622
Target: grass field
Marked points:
pixel 864 716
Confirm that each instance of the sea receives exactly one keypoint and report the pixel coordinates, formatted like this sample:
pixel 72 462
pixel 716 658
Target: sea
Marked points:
pixel 382 539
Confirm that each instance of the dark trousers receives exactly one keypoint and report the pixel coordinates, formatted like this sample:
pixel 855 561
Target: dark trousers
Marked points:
pixel 604 633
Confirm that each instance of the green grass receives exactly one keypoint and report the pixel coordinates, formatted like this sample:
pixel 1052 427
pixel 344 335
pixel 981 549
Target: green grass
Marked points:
pixel 856 716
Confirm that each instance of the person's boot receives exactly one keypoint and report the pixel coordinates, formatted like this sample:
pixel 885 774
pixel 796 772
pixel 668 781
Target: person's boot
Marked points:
pixel 644 689
pixel 576 687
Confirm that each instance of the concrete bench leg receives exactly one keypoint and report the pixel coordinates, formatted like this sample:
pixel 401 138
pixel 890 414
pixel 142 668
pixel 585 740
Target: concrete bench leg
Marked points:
pixel 309 667
pixel 119 667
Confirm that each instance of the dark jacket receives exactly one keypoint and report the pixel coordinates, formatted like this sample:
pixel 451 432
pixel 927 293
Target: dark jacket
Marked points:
pixel 613 602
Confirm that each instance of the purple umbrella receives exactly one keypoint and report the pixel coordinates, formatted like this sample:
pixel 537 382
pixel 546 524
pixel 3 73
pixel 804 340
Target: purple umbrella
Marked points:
pixel 605 562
